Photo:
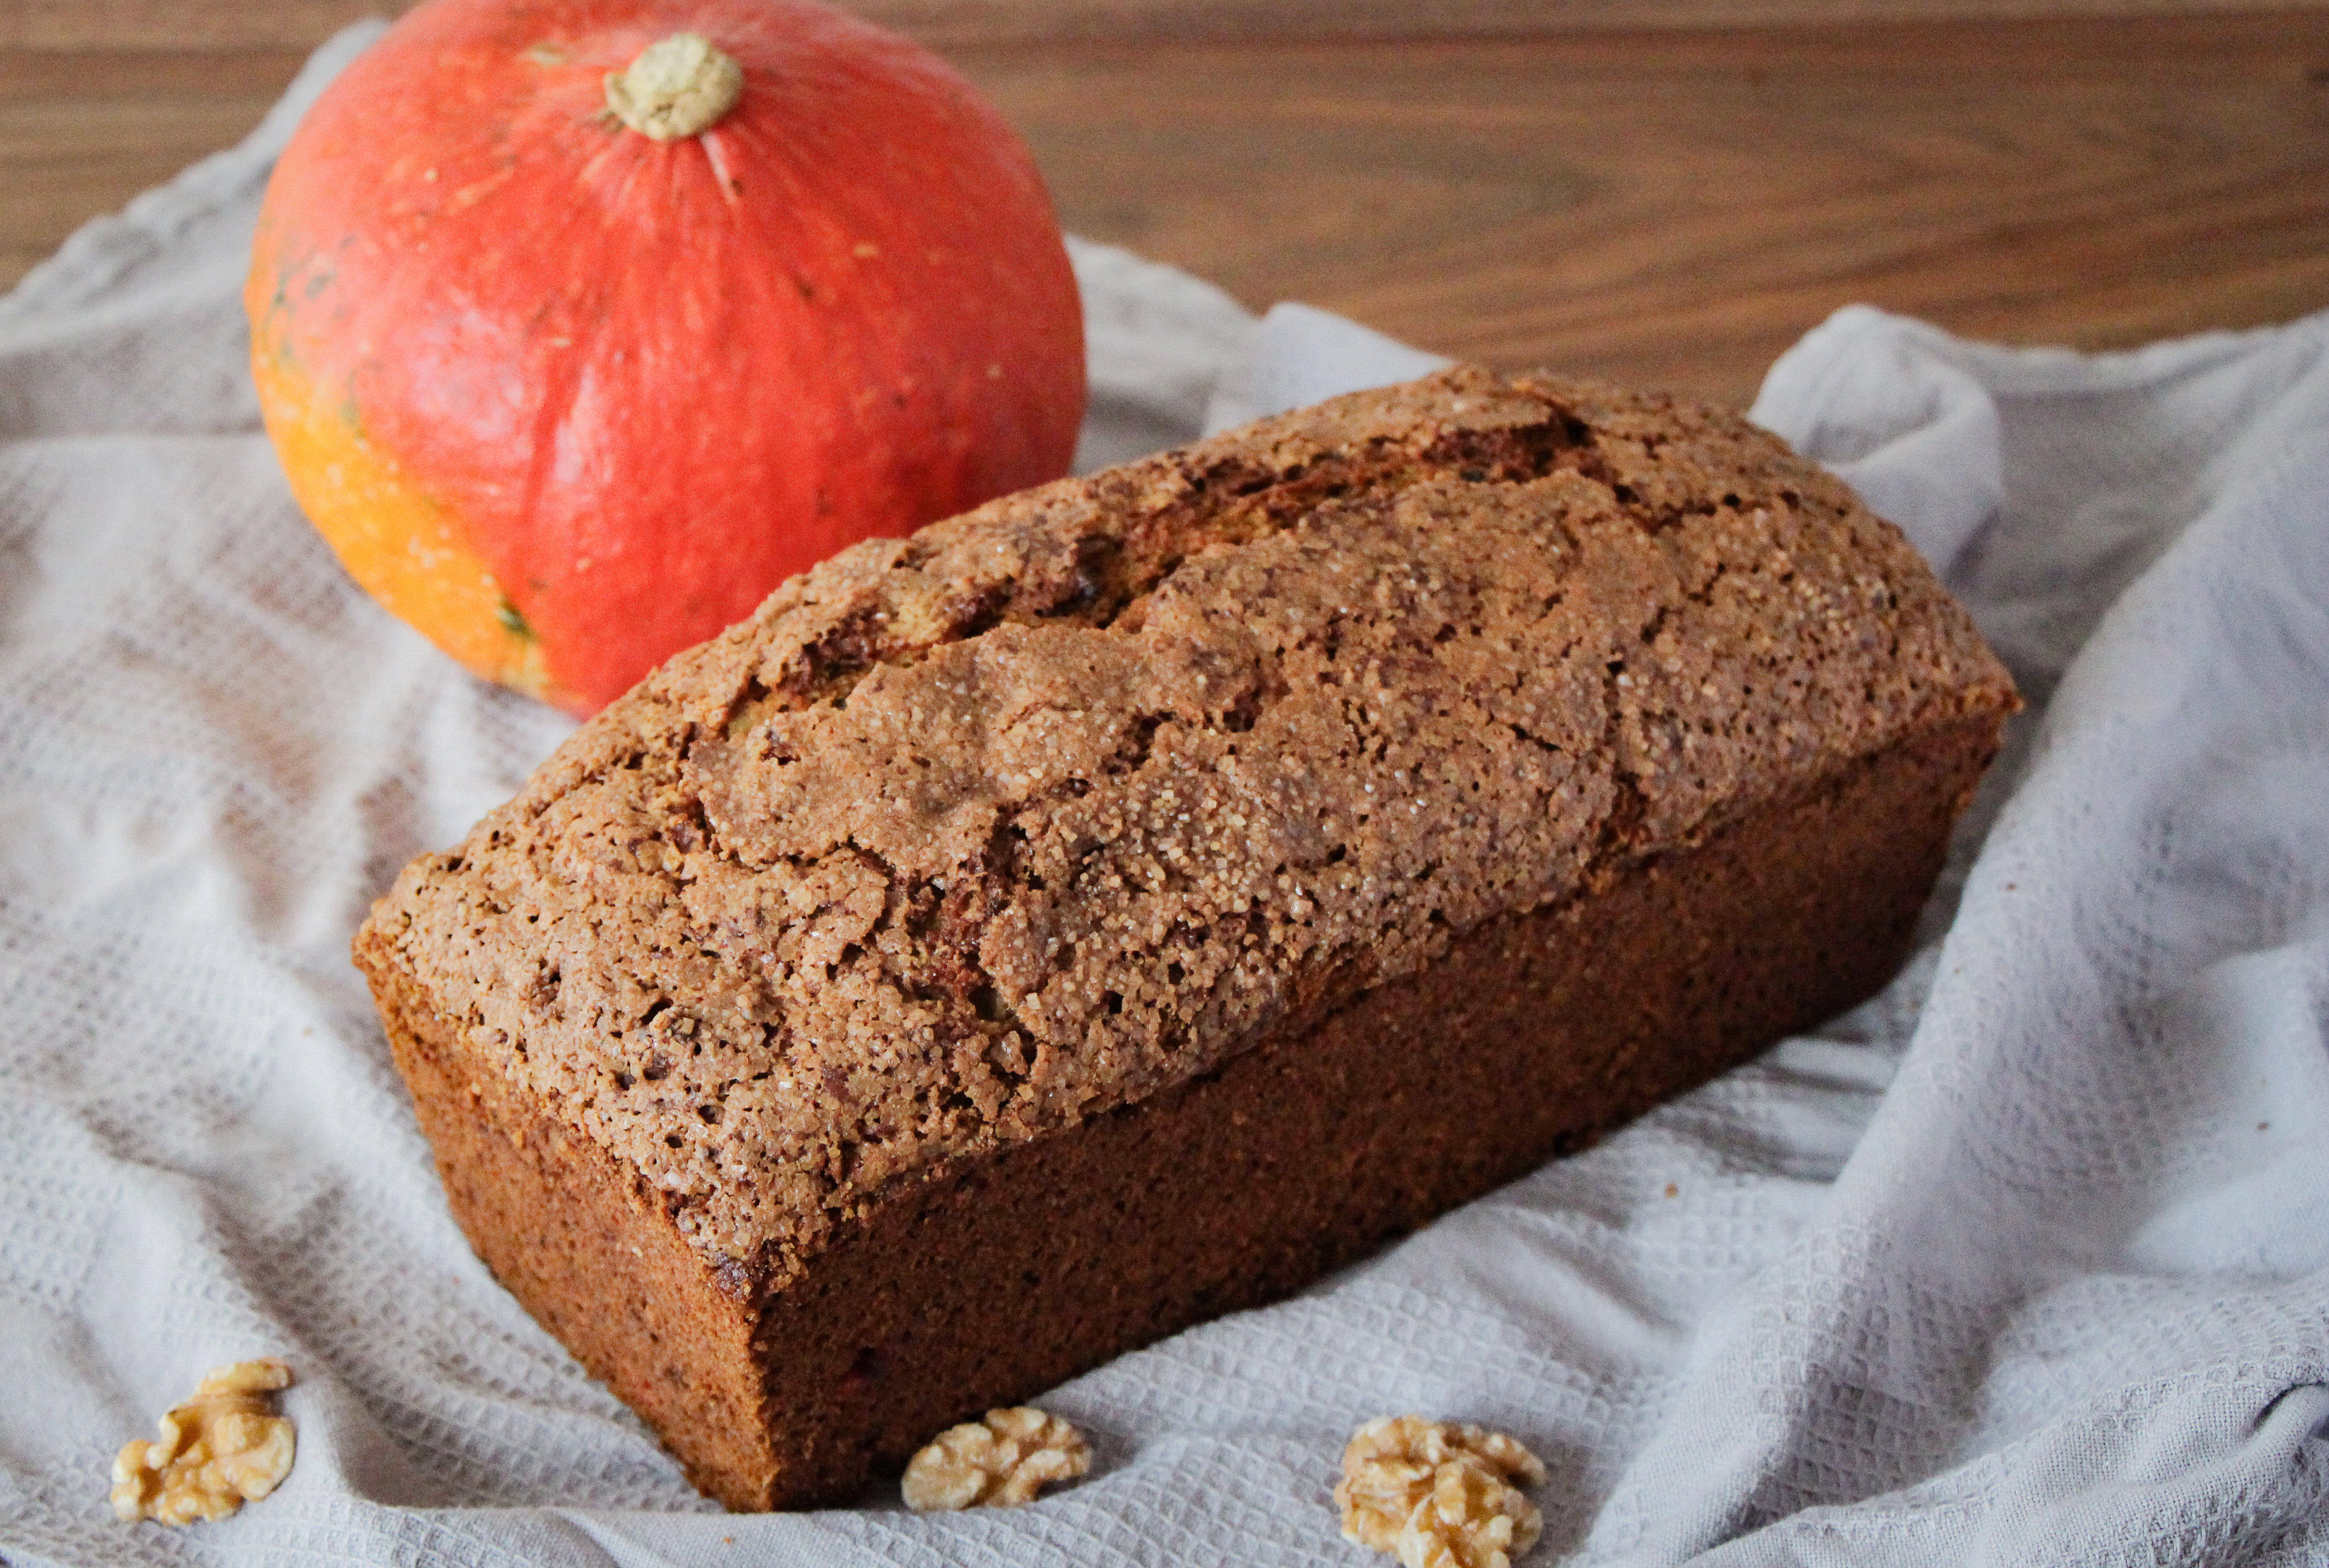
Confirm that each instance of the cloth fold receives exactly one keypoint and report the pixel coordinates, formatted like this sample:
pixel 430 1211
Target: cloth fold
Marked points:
pixel 2025 1260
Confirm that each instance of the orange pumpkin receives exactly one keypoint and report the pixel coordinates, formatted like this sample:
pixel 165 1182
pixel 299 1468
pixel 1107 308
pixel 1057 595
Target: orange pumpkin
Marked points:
pixel 580 324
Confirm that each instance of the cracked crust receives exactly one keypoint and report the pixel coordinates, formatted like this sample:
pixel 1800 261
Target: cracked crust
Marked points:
pixel 966 840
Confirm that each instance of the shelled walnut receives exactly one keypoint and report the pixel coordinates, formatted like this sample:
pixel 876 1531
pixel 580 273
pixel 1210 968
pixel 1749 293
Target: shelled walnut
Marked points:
pixel 221 1448
pixel 999 1463
pixel 1438 1495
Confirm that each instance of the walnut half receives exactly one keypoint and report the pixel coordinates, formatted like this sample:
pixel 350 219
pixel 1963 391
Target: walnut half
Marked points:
pixel 221 1448
pixel 1439 1495
pixel 999 1463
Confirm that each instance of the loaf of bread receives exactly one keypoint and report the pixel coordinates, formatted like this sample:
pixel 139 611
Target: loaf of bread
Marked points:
pixel 1126 901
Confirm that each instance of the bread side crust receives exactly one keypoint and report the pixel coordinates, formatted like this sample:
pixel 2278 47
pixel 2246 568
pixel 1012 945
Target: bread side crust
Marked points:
pixel 985 1282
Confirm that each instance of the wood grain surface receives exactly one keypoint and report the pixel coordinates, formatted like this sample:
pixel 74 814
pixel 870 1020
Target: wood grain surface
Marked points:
pixel 1674 208
pixel 203 24
pixel 1666 206
pixel 81 132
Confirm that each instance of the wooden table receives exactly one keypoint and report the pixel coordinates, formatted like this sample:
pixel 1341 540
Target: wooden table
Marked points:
pixel 1670 204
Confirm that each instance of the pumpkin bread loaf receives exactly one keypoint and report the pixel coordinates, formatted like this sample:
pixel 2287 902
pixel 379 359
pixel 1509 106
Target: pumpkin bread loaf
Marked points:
pixel 1126 901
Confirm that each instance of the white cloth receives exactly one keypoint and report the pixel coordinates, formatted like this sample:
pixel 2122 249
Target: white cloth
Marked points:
pixel 2026 1261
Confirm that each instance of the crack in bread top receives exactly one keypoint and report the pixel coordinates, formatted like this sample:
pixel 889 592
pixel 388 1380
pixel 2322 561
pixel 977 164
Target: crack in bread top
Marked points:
pixel 964 838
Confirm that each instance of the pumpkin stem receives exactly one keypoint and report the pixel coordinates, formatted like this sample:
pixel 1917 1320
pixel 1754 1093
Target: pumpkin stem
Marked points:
pixel 677 87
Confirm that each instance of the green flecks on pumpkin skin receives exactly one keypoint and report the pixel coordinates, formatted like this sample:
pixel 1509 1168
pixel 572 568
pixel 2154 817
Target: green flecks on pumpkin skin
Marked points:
pixel 277 340
pixel 278 306
pixel 511 621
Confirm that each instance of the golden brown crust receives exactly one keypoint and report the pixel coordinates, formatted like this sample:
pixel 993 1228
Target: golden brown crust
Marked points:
pixel 966 838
